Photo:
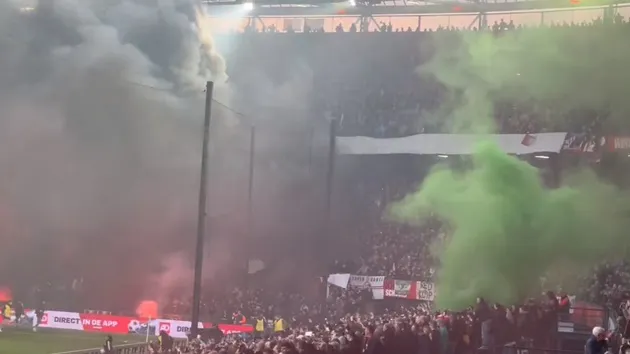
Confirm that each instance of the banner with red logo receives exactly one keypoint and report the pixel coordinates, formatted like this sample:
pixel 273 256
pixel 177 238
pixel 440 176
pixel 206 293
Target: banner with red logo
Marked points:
pixel 176 329
pixel 123 325
pixel 86 322
pixel 404 289
pixel 617 143
pixel 234 328
pixel 180 329
pixel 412 290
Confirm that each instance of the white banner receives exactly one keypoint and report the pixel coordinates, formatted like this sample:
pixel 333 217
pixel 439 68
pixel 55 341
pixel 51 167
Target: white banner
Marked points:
pixel 176 329
pixel 365 281
pixel 375 282
pixel 92 322
pixel 450 144
pixel 425 291
pixel 60 319
pixel 412 290
pixel 340 280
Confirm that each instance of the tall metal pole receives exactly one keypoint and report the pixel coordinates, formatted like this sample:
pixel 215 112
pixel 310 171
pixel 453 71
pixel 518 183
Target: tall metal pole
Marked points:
pixel 201 216
pixel 332 147
pixel 311 135
pixel 250 195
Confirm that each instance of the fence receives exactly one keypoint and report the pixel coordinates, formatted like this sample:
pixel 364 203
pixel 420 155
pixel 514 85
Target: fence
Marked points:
pixel 582 318
pixel 135 348
pixel 520 349
pixel 424 22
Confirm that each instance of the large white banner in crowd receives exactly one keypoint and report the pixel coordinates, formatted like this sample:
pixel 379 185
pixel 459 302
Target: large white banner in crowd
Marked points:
pixel 372 282
pixel 450 144
pixel 383 288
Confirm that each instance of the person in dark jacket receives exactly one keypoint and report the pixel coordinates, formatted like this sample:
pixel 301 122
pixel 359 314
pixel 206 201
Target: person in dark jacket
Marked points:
pixel 424 341
pixel 165 341
pixel 375 344
pixel 353 344
pixel 18 308
pixel 406 341
pixel 484 316
pixel 108 347
pixel 382 342
pixel 39 315
pixel 436 339
pixel 597 343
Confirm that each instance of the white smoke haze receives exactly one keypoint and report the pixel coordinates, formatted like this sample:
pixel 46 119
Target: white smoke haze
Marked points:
pixel 99 172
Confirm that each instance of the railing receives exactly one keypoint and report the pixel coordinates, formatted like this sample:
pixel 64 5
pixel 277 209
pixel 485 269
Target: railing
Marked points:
pixel 582 319
pixel 520 349
pixel 135 348
pixel 329 22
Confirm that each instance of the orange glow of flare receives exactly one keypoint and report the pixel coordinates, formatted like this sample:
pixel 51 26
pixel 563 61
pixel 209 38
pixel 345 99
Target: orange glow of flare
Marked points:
pixel 147 309
pixel 5 294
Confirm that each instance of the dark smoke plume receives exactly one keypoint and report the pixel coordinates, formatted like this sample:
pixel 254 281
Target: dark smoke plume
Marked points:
pixel 100 129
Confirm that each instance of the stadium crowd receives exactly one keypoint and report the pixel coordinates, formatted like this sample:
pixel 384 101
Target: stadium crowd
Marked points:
pixel 387 103
pixel 408 329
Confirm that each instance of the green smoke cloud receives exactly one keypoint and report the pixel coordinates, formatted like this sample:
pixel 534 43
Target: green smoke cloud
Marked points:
pixel 506 230
pixel 565 69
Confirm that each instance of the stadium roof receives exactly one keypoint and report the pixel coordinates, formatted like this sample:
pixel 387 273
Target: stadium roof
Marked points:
pixel 373 7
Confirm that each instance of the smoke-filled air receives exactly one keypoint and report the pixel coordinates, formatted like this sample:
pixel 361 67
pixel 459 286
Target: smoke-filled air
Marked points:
pixel 506 230
pixel 101 112
pixel 97 166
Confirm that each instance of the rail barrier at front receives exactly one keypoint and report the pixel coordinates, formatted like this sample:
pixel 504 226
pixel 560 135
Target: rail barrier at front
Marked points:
pixel 134 348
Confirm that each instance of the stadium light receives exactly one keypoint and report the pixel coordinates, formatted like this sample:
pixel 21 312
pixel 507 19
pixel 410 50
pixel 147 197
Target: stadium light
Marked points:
pixel 543 157
pixel 442 156
pixel 248 6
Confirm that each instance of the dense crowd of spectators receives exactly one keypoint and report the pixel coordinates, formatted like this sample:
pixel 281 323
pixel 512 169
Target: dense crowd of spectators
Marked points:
pixel 411 329
pixel 389 101
pixel 382 27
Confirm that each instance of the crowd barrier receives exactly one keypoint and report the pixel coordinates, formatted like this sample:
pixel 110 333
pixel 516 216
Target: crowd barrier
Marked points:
pixel 136 348
pixel 518 349
pixel 101 323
